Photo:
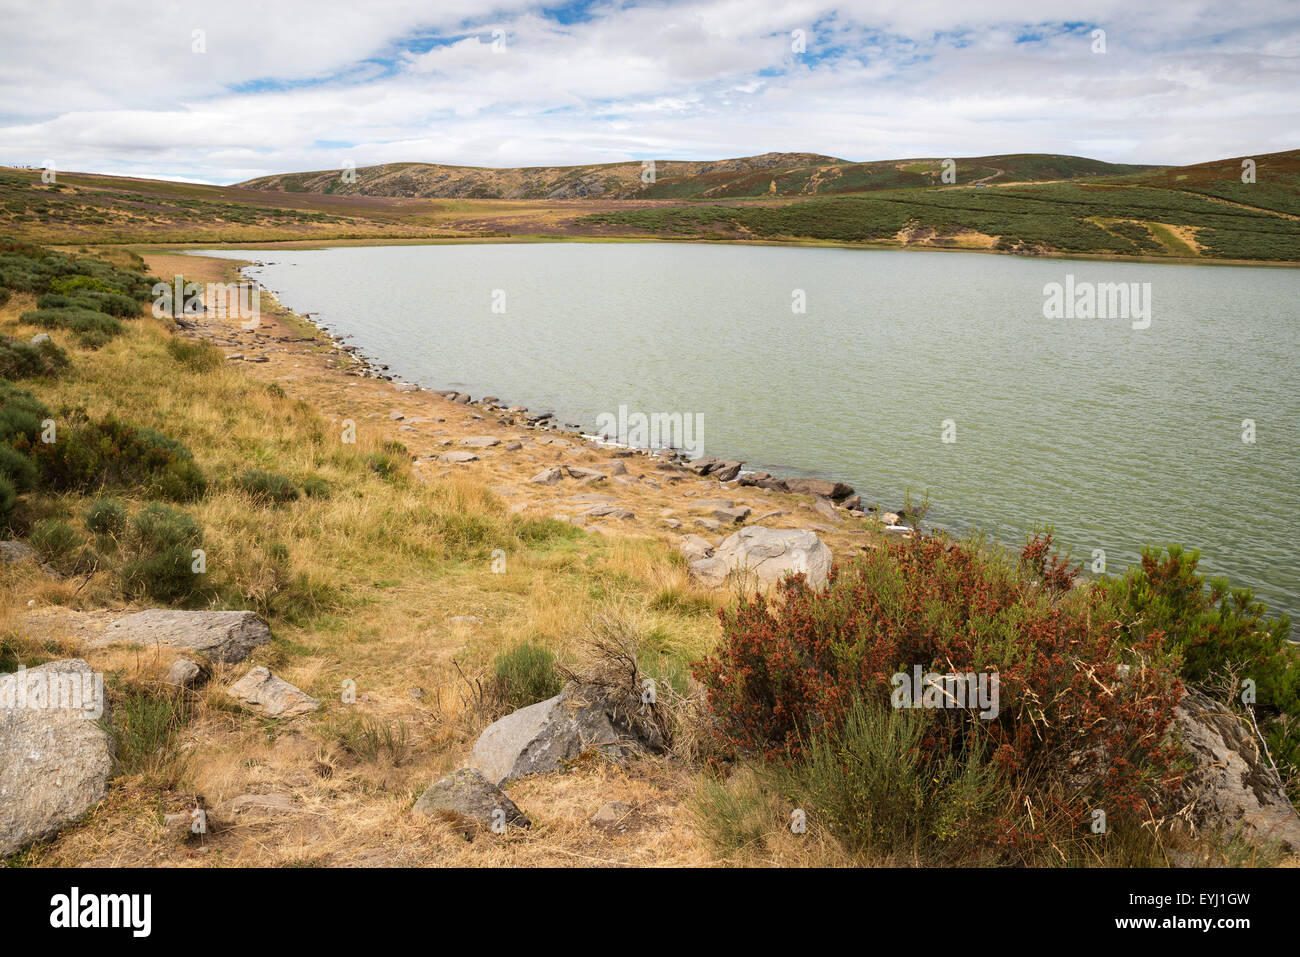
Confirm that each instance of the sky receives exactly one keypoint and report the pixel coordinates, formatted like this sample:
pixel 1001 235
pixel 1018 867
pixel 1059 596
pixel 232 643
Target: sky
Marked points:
pixel 223 92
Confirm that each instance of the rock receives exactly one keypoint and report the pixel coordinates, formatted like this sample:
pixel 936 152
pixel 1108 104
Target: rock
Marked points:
pixel 582 717
pixel 512 446
pixel 825 509
pixel 608 511
pixel 708 524
pixel 616 467
pixel 185 673
pixel 672 523
pixel 266 805
pixel 465 620
pixel 226 636
pixel 581 473
pixel 753 478
pixel 890 518
pixel 13 552
pixel 415 694
pixel 853 503
pixel 819 488
pixel 40 339
pixel 769 554
pixel 396 416
pixel 1231 785
pixel 457 458
pixel 480 442
pixel 592 497
pixel 702 466
pixel 732 516
pixel 695 547
pixel 466 796
pixel 726 471
pixel 898 531
pixel 549 476
pixel 610 815
pixel 55 761
pixel 264 693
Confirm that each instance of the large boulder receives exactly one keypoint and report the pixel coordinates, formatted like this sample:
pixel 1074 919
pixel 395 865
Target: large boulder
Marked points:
pixel 819 488
pixel 768 554
pixel 582 717
pixel 228 636
pixel 468 797
pixel 264 693
pixel 1231 787
pixel 55 757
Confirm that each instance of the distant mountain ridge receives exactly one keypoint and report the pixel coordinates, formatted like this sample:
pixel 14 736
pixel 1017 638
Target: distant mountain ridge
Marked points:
pixel 769 174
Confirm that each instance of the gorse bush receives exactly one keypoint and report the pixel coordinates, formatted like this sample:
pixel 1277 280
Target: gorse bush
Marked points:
pixel 21 360
pixel 198 356
pixel 160 560
pixel 1224 637
pixel 107 517
pixel 92 327
pixel 267 488
pixel 790 671
pixel 112 454
pixel 110 303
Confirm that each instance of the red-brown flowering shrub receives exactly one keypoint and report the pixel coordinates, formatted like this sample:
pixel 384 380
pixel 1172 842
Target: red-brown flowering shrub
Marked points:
pixel 1081 716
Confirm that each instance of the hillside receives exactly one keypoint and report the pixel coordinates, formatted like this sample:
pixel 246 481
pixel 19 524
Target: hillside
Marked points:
pixel 771 174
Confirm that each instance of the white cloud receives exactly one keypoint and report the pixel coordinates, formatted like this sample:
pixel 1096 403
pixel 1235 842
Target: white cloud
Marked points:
pixel 296 85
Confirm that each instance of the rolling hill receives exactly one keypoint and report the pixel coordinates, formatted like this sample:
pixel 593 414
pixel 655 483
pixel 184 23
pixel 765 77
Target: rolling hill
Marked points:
pixel 771 174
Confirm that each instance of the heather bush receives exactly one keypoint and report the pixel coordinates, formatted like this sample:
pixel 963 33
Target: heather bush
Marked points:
pixel 106 517
pixel 19 360
pixel 92 327
pixel 59 544
pixel 21 414
pixel 791 670
pixel 112 454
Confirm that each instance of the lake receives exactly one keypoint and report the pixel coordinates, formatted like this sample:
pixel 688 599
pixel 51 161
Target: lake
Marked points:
pixel 906 372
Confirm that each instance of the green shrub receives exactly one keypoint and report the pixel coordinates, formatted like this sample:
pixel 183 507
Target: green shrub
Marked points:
pixel 17 468
pixel 4 296
pixel 526 674
pixel 369 738
pixel 147 726
pixel 160 547
pixel 267 488
pixel 8 500
pixel 112 303
pixel 313 486
pixel 197 356
pixel 19 360
pixel 58 543
pixel 1224 636
pixel 92 327
pixel 21 414
pixel 106 516
pixel 113 454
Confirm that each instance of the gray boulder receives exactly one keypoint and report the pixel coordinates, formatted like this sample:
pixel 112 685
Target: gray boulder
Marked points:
pixel 819 488
pixel 1231 786
pixel 185 673
pixel 227 636
pixel 273 697
pixel 55 757
pixel 17 552
pixel 466 796
pixel 768 554
pixel 549 476
pixel 582 717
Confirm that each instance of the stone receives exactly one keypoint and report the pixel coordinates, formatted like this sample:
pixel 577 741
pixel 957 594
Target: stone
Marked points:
pixel 12 552
pixel 769 554
pixel 225 636
pixel 853 503
pixel 549 476
pixel 890 518
pixel 726 471
pixel 732 516
pixel 582 473
pixel 458 458
pixel 261 805
pixel 55 761
pixel 1231 786
pixel 264 693
pixel 672 523
pixel 185 673
pixel 480 442
pixel 702 466
pixel 616 467
pixel 40 339
pixel 610 816
pixel 753 478
pixel 396 416
pixel 818 488
pixel 465 620
pixel 607 510
pixel 826 510
pixel 512 446
pixel 544 737
pixel 694 547
pixel 709 524
pixel 467 797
